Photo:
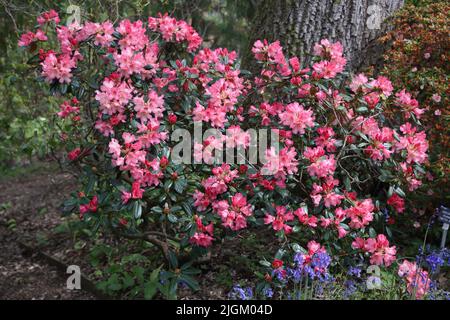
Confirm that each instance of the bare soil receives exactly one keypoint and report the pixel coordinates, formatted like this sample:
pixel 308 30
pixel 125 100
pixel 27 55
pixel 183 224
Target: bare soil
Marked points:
pixel 28 209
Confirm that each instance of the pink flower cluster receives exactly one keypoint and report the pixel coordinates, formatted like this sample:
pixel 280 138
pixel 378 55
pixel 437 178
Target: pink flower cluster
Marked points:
pixel 271 53
pixel 283 215
pixel 175 30
pixel 379 249
pixel 297 118
pixel 417 279
pixel 408 104
pixel 234 214
pixel 361 213
pixel 102 33
pixel 415 143
pixel 69 108
pixel 58 68
pixel 333 60
pixel 48 16
pixel 203 236
pixel 321 165
pixel 381 139
pixel 325 192
pixel 373 91
pixel 233 211
pixel 280 164
pixel 397 202
pixel 28 38
pixel 224 95
pixel 132 157
pixel 279 221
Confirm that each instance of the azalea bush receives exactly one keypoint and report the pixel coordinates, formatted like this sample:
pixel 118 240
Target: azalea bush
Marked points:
pixel 328 189
pixel 418 61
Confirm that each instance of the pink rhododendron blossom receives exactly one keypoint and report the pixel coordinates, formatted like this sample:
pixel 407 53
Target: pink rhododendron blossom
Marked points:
pixel 152 108
pixel 325 139
pixel 383 85
pixel 333 62
pixel 113 96
pixel 279 220
pixel 48 16
pixel 417 280
pixel 28 38
pixel 270 52
pixel 379 248
pixel 397 202
pixel 305 219
pixel 321 165
pixel 360 214
pixel 358 82
pixel 280 164
pixel 236 137
pixel 58 68
pixel 175 30
pixel 234 215
pixel 203 236
pixel 415 144
pixel 408 104
pixel 68 108
pixel 297 118
pixel 325 192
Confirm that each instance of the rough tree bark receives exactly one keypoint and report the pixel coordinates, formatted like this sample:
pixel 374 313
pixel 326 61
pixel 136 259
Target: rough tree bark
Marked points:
pixel 298 24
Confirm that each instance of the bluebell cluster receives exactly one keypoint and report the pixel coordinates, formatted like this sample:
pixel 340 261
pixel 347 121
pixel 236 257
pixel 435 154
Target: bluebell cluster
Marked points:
pixel 434 259
pixel 318 269
pixel 239 293
pixel 268 292
pixel 350 288
pixel 354 271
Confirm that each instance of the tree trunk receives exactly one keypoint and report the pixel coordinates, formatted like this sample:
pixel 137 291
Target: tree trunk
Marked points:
pixel 299 24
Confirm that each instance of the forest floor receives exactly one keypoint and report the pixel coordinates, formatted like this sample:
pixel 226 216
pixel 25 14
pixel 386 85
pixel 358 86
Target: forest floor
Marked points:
pixel 28 209
pixel 30 218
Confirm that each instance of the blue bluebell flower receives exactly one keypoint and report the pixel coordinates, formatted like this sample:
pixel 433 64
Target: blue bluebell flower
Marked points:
pixel 268 292
pixel 354 271
pixel 240 293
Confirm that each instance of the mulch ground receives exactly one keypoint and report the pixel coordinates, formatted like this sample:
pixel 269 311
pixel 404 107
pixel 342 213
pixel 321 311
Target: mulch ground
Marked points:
pixel 29 208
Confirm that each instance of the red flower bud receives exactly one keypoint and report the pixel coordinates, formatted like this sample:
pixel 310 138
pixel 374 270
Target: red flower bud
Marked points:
pixel 74 154
pixel 172 118
pixel 277 263
pixel 164 162
pixel 243 169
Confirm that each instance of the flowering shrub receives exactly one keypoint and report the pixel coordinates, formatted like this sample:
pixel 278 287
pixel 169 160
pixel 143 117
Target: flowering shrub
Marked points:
pixel 129 87
pixel 418 62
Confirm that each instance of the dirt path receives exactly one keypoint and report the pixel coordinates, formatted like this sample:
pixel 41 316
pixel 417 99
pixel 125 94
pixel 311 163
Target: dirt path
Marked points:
pixel 24 276
pixel 28 205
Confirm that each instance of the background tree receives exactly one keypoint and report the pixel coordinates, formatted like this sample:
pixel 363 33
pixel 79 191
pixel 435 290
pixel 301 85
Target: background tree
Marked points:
pixel 298 24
